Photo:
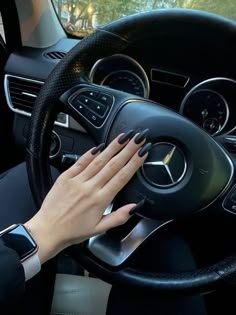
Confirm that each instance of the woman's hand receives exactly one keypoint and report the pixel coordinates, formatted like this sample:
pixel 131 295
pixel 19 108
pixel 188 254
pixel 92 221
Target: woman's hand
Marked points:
pixel 73 209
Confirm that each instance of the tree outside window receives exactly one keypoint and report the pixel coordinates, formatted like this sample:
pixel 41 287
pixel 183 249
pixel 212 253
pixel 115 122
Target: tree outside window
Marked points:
pixel 81 17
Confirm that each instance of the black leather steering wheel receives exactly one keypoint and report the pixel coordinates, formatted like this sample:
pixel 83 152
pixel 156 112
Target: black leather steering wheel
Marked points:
pixel 178 179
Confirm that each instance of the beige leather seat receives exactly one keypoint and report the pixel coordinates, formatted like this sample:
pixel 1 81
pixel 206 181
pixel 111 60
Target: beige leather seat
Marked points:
pixel 75 295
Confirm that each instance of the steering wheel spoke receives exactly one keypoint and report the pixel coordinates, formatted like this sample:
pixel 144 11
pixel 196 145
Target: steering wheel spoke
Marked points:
pixel 94 107
pixel 229 203
pixel 114 252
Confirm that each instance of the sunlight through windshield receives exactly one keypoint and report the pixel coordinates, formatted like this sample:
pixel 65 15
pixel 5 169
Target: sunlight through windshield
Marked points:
pixel 82 17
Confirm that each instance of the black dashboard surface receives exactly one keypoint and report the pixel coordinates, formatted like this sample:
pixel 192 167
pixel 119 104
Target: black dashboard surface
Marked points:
pixel 198 57
pixel 32 63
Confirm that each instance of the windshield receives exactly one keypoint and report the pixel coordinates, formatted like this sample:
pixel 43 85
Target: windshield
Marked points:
pixel 82 17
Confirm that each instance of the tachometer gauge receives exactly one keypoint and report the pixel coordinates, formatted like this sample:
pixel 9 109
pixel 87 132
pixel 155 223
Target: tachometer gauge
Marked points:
pixel 125 81
pixel 208 109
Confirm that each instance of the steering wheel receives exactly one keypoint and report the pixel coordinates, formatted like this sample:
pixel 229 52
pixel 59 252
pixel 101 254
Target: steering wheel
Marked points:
pixel 177 180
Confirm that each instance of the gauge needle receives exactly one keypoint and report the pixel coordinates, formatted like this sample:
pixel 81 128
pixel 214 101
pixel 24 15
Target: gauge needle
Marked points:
pixel 204 114
pixel 212 126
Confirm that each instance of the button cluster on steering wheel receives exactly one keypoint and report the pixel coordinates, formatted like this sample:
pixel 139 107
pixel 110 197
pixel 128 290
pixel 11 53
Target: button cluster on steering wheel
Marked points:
pixel 93 105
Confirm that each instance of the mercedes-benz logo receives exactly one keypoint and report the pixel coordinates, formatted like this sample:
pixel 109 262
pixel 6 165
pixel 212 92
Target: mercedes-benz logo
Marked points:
pixel 165 166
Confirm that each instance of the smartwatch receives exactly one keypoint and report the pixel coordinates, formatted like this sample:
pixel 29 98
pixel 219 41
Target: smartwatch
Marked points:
pixel 18 238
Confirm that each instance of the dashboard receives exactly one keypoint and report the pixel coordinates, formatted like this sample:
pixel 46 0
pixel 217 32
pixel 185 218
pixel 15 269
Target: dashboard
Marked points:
pixel 209 103
pixel 178 73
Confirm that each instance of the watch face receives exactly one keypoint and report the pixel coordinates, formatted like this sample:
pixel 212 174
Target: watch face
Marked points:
pixel 20 240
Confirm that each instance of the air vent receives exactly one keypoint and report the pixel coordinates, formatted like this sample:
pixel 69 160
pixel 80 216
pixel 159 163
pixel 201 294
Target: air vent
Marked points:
pixel 55 54
pixel 22 93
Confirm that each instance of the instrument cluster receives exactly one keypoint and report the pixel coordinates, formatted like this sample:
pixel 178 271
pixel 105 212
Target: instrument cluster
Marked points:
pixel 123 73
pixel 210 104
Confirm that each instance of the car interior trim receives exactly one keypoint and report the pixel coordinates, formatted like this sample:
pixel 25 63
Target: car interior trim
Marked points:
pixel 29 94
pixel 22 112
pixel 58 143
pixel 11 24
pixel 223 202
pixel 229 181
pixel 170 73
pixel 54 54
pixel 116 252
pixel 39 20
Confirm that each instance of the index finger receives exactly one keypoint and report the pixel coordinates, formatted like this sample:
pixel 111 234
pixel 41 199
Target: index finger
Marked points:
pixel 102 159
pixel 112 187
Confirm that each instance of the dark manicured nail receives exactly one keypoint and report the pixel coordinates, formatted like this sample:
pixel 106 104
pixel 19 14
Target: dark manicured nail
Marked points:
pixel 140 137
pixel 144 150
pixel 98 149
pixel 128 135
pixel 137 207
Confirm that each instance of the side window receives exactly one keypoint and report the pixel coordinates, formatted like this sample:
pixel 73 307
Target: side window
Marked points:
pixel 1 28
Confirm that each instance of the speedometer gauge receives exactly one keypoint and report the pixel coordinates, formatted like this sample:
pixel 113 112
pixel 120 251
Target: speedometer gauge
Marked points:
pixel 125 81
pixel 121 72
pixel 208 109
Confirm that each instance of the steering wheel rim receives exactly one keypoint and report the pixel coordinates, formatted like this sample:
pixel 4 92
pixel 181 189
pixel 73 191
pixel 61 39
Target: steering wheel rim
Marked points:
pixel 72 71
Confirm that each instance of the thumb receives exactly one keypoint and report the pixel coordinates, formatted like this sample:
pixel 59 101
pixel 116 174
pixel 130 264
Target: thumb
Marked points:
pixel 115 218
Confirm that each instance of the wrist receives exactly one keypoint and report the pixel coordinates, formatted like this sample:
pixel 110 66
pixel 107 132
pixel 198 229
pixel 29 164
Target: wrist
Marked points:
pixel 43 236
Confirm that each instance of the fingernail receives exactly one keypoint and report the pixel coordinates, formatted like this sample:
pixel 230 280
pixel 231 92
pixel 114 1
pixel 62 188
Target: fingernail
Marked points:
pixel 137 207
pixel 144 150
pixel 128 135
pixel 141 136
pixel 98 149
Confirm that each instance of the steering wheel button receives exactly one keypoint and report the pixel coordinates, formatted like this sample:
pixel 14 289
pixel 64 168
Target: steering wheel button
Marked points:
pixel 99 108
pixel 105 99
pixel 92 105
pixel 92 118
pixel 91 94
pixel 84 100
